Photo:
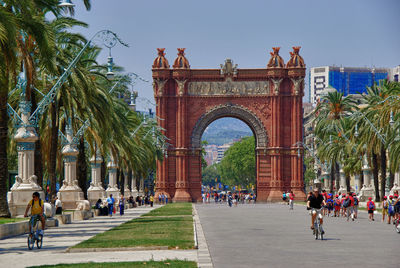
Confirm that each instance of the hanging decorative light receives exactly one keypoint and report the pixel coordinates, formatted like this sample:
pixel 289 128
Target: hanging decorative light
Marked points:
pixel 66 3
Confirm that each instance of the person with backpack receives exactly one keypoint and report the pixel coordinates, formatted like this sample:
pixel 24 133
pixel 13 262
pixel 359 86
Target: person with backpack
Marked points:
pixel 337 204
pixel 343 208
pixel 356 203
pixel 110 202
pixel 329 204
pixel 37 211
pixel 390 208
pixel 384 208
pixel 371 209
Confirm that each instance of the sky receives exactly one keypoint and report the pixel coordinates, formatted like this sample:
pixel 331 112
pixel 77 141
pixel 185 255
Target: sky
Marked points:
pixel 352 33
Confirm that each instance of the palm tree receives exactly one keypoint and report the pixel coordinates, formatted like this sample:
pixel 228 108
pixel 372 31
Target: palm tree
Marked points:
pixel 21 26
pixel 330 113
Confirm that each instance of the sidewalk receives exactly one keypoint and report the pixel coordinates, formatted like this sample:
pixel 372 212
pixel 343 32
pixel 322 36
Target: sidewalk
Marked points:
pixel 14 251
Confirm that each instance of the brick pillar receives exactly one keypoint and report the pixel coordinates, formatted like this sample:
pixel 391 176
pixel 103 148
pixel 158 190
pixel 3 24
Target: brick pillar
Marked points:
pixel 276 161
pixel 162 174
pixel 182 183
pixel 297 183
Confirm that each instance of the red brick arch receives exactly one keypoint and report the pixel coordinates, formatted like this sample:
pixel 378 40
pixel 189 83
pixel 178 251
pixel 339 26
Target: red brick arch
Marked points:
pixel 268 100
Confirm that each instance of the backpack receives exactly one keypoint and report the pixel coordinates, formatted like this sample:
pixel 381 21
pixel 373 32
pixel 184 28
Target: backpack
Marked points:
pixel 346 203
pixel 391 208
pixel 371 205
pixel 355 201
pixel 40 202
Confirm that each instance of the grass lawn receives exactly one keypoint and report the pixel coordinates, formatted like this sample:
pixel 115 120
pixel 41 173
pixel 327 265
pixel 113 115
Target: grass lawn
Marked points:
pixel 175 231
pixel 150 264
pixel 172 209
pixel 11 220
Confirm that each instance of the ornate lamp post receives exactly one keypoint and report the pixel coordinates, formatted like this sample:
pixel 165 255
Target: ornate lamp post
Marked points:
pixel 26 134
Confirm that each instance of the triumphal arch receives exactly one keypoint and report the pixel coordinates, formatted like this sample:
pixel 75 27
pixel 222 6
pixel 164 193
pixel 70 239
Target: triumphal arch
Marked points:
pixel 268 100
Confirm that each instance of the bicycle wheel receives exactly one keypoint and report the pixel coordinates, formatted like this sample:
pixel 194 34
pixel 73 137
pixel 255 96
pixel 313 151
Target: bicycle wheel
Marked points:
pixel 321 233
pixel 316 228
pixel 31 241
pixel 39 241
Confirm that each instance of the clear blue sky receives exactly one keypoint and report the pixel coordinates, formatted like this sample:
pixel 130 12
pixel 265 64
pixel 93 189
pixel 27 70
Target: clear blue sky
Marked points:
pixel 340 32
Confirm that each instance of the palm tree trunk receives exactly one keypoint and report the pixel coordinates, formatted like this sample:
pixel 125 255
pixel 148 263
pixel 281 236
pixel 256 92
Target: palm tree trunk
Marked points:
pixel 82 167
pixel 375 170
pixel 53 149
pixel 122 182
pixel 348 183
pixel 337 176
pixel 130 179
pixel 391 179
pixel 4 212
pixel 103 172
pixel 383 171
pixel 332 178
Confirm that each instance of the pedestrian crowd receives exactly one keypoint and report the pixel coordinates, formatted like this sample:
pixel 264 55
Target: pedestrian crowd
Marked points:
pixel 232 199
pixel 347 206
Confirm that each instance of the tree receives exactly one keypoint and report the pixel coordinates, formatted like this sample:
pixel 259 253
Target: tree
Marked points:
pixel 238 167
pixel 209 175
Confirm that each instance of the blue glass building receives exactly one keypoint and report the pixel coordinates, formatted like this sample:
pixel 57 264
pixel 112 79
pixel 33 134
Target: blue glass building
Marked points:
pixel 347 80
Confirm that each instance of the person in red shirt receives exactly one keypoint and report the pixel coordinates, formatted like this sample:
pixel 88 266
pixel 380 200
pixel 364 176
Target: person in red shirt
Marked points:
pixel 291 199
pixel 350 208
pixel 371 208
pixel 337 204
pixel 343 208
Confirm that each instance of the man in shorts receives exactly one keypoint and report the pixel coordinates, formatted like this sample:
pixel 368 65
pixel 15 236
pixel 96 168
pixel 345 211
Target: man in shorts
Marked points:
pixel 315 202
pixel 37 211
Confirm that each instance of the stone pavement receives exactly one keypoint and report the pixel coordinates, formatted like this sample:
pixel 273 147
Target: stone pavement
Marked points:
pixel 14 251
pixel 269 235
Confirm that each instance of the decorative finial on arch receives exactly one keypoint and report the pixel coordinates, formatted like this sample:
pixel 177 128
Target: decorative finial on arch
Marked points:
pixel 161 62
pixel 275 61
pixel 296 61
pixel 181 62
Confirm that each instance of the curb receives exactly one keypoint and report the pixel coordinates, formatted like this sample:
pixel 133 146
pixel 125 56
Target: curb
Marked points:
pixel 203 254
pixel 82 250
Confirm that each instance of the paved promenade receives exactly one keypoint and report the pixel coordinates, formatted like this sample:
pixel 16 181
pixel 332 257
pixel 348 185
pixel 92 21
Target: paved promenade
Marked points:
pixel 14 251
pixel 269 235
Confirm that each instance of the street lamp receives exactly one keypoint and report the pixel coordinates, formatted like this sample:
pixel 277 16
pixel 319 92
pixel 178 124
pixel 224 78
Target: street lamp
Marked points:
pixel 66 3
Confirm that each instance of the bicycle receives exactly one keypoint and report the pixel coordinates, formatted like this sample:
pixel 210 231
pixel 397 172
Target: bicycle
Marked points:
pixel 35 235
pixel 397 225
pixel 318 231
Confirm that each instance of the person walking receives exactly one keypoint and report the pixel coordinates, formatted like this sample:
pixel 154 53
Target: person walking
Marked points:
pixel 58 205
pixel 121 205
pixel 151 200
pixel 356 203
pixel 384 208
pixel 371 209
pixel 110 202
pixel 350 206
pixel 390 208
pixel 291 200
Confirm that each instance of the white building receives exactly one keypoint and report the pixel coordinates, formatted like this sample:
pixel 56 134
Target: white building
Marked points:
pixel 221 151
pixel 394 74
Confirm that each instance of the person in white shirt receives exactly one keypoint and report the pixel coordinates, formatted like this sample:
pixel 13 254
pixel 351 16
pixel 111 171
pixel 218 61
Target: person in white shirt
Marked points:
pixel 58 205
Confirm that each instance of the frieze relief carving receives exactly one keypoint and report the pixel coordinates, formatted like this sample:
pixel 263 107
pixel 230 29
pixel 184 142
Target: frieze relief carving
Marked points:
pixel 228 87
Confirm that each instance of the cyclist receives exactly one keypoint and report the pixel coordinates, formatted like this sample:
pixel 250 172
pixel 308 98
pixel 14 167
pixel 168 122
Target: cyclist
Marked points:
pixel 315 202
pixel 37 211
